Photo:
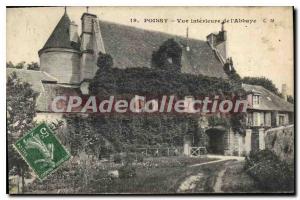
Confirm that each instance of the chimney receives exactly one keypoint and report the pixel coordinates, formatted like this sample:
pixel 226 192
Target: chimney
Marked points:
pixel 284 91
pixel 218 42
pixel 73 32
pixel 87 22
pixel 88 66
pixel 87 31
pixel 211 39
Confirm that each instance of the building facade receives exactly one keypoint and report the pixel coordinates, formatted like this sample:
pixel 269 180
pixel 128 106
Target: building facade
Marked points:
pixel 68 60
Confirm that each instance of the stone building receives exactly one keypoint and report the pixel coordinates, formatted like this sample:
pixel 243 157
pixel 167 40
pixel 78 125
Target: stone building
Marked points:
pixel 265 111
pixel 68 61
pixel 68 58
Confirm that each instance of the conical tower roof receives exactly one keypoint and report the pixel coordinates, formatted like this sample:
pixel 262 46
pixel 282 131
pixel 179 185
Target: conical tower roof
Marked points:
pixel 60 37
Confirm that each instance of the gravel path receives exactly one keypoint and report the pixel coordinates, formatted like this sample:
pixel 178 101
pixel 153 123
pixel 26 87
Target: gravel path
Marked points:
pixel 190 183
pixel 218 184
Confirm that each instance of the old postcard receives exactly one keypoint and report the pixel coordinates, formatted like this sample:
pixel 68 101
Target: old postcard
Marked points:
pixel 150 100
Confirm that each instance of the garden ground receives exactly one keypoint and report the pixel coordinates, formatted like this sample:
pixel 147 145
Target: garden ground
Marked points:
pixel 160 175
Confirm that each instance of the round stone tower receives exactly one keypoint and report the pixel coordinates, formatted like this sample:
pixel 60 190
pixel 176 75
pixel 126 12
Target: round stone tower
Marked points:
pixel 60 56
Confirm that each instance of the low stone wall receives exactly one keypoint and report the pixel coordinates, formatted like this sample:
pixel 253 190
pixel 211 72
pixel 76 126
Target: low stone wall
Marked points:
pixel 281 141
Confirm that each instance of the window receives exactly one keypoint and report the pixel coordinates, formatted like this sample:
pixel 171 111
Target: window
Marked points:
pixel 281 120
pixel 255 119
pixel 268 119
pixel 262 119
pixel 250 119
pixel 258 119
pixel 255 99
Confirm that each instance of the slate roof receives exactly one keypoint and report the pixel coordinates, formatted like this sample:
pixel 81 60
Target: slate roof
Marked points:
pixel 60 37
pixel 33 77
pixel 133 47
pixel 130 47
pixel 268 100
pixel 45 85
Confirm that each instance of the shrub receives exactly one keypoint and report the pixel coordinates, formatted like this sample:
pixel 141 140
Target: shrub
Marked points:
pixel 100 181
pixel 266 154
pixel 117 158
pixel 127 171
pixel 140 157
pixel 129 158
pixel 269 171
pixel 244 153
pixel 235 153
pixel 106 151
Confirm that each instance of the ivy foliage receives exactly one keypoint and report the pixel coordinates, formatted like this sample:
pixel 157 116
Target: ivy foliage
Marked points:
pixel 214 121
pixel 155 82
pixel 168 56
pixel 104 135
pixel 127 132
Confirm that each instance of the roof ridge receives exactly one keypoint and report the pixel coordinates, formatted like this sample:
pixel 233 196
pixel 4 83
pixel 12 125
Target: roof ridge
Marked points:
pixel 123 42
pixel 152 31
pixel 277 103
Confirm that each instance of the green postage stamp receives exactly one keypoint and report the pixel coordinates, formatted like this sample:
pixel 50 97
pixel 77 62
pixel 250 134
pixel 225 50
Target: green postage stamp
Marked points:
pixel 42 150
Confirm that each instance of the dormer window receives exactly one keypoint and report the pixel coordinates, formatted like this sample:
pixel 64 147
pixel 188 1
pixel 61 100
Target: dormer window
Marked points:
pixel 255 99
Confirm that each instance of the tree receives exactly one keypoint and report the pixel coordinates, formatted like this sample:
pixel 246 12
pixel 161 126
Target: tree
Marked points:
pixel 10 65
pixel 23 65
pixel 290 99
pixel 20 65
pixel 33 66
pixel 20 113
pixel 233 76
pixel 262 81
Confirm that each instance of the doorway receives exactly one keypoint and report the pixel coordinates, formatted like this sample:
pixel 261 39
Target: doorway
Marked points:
pixel 215 141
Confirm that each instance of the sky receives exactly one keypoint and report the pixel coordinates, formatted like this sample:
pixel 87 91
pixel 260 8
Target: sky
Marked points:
pixel 260 43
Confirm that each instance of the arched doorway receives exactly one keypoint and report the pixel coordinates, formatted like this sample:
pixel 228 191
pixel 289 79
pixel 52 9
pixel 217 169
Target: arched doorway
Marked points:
pixel 215 140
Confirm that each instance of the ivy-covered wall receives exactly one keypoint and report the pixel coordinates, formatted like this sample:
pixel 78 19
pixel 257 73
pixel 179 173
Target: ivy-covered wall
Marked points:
pixel 125 132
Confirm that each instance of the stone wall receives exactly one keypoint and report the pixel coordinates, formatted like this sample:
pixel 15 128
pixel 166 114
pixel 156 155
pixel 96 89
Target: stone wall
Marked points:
pixel 229 139
pixel 281 141
pixel 238 144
